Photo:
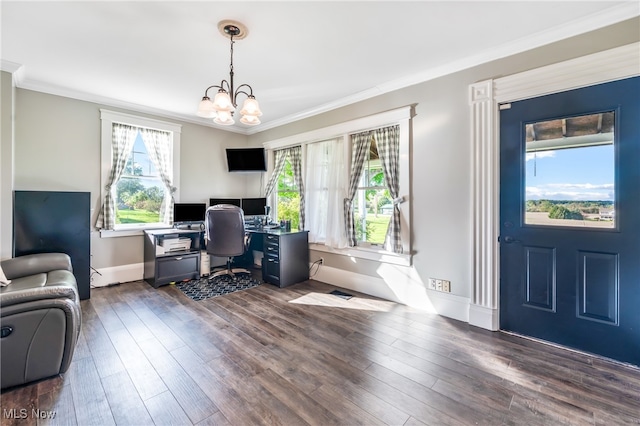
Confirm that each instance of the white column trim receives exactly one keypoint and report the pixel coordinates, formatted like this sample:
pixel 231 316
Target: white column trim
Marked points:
pixel 484 98
pixel 484 299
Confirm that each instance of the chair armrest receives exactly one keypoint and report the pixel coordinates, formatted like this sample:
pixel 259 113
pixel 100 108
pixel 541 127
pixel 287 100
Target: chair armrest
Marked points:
pixel 32 264
pixel 34 294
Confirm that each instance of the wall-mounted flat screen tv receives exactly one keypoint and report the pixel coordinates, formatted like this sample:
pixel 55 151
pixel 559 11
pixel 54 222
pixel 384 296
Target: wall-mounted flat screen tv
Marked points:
pixel 188 212
pixel 246 160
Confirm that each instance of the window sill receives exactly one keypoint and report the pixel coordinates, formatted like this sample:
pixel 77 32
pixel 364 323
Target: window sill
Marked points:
pixel 129 232
pixel 366 253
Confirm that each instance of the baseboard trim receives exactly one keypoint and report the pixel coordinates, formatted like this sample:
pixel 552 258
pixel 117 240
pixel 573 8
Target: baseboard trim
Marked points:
pixel 401 288
pixel 483 317
pixel 117 274
pixel 450 305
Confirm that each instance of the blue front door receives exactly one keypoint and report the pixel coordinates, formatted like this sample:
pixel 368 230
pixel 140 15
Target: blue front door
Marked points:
pixel 570 218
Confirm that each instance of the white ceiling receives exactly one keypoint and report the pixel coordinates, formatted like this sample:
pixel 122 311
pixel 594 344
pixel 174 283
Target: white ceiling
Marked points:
pixel 301 58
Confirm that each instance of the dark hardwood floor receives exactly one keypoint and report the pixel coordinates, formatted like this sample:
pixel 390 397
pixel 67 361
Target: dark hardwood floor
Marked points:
pixel 298 356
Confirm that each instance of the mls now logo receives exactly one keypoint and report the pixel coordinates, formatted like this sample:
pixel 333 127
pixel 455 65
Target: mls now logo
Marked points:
pixel 23 413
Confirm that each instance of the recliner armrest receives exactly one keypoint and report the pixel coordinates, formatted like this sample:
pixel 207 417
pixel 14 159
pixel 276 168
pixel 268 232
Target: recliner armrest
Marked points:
pixel 36 294
pixel 32 264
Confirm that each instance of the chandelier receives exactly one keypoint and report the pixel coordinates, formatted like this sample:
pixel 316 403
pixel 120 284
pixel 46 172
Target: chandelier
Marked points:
pixel 224 103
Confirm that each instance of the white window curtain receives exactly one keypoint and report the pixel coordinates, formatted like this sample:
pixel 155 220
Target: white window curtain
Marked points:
pixel 123 138
pixel 158 144
pixel 325 184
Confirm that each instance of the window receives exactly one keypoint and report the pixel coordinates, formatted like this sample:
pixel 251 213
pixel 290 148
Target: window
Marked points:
pixel 139 192
pixel 288 197
pixel 377 209
pixel 570 172
pixel 372 204
pixel 139 175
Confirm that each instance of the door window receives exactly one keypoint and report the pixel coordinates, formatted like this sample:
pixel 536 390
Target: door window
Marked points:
pixel 570 170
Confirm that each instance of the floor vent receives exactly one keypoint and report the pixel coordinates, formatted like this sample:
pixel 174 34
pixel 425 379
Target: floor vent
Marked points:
pixel 341 294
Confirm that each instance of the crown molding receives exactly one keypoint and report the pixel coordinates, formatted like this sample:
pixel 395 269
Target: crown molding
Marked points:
pixel 115 103
pixel 592 22
pixel 583 25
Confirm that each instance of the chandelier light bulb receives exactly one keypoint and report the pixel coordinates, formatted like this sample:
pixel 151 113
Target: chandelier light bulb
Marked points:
pixel 251 107
pixel 206 108
pixel 250 120
pixel 224 118
pixel 222 101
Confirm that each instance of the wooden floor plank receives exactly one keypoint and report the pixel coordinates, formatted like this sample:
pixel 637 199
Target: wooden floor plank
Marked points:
pixel 299 355
pixel 125 402
pixel 165 410
pixel 188 394
pixel 142 374
pixel 90 402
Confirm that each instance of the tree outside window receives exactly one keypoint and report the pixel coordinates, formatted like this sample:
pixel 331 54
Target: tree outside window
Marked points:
pixel 139 192
pixel 288 204
pixel 372 204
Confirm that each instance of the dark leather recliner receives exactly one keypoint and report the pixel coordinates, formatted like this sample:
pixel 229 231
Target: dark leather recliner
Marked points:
pixel 225 235
pixel 40 318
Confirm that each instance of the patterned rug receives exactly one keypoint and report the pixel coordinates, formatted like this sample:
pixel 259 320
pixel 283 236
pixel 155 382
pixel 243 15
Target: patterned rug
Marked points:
pixel 204 288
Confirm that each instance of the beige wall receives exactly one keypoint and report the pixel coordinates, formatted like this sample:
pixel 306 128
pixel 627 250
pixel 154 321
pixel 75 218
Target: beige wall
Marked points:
pixel 442 164
pixel 57 148
pixel 7 93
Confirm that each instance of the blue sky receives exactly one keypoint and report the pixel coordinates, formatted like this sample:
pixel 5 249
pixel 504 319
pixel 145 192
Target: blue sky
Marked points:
pixel 585 173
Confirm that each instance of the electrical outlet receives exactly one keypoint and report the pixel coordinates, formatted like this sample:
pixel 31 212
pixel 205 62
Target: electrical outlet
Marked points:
pixel 439 285
pixel 322 260
pixel 431 284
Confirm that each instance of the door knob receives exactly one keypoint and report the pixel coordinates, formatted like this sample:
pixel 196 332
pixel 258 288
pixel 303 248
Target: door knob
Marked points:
pixel 507 239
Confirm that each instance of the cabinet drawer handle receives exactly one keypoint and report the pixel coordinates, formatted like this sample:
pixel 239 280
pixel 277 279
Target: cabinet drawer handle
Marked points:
pixel 177 258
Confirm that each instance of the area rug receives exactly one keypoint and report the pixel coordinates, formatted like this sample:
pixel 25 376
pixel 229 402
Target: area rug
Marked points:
pixel 205 288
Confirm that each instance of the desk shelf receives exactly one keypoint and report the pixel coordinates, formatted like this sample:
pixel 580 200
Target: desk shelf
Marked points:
pixel 163 267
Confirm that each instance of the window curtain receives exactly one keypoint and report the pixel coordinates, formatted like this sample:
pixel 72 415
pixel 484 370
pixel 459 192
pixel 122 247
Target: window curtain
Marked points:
pixel 388 142
pixel 325 182
pixel 122 140
pixel 159 147
pixel 295 156
pixel 360 145
pixel 280 159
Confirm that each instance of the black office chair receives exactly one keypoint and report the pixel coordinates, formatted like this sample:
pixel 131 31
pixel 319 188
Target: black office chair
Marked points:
pixel 225 235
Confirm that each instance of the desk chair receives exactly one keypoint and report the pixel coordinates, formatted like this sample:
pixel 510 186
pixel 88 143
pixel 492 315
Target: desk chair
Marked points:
pixel 225 235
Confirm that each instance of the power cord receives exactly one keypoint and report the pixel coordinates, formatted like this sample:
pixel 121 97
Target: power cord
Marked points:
pixel 317 263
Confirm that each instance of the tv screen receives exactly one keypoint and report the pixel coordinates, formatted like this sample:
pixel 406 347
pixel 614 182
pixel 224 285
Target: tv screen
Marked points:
pixel 253 206
pixel 232 201
pixel 246 160
pixel 188 212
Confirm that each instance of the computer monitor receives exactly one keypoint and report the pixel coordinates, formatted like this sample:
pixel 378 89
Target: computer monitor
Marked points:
pixel 254 206
pixel 232 201
pixel 188 212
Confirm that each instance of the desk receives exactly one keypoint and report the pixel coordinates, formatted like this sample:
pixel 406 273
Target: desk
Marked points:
pixel 286 255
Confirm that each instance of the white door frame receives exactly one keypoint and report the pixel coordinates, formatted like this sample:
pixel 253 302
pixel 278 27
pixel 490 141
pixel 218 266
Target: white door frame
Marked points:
pixel 485 98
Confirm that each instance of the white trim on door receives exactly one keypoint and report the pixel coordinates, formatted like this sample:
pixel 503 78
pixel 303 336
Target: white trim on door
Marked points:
pixel 484 99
